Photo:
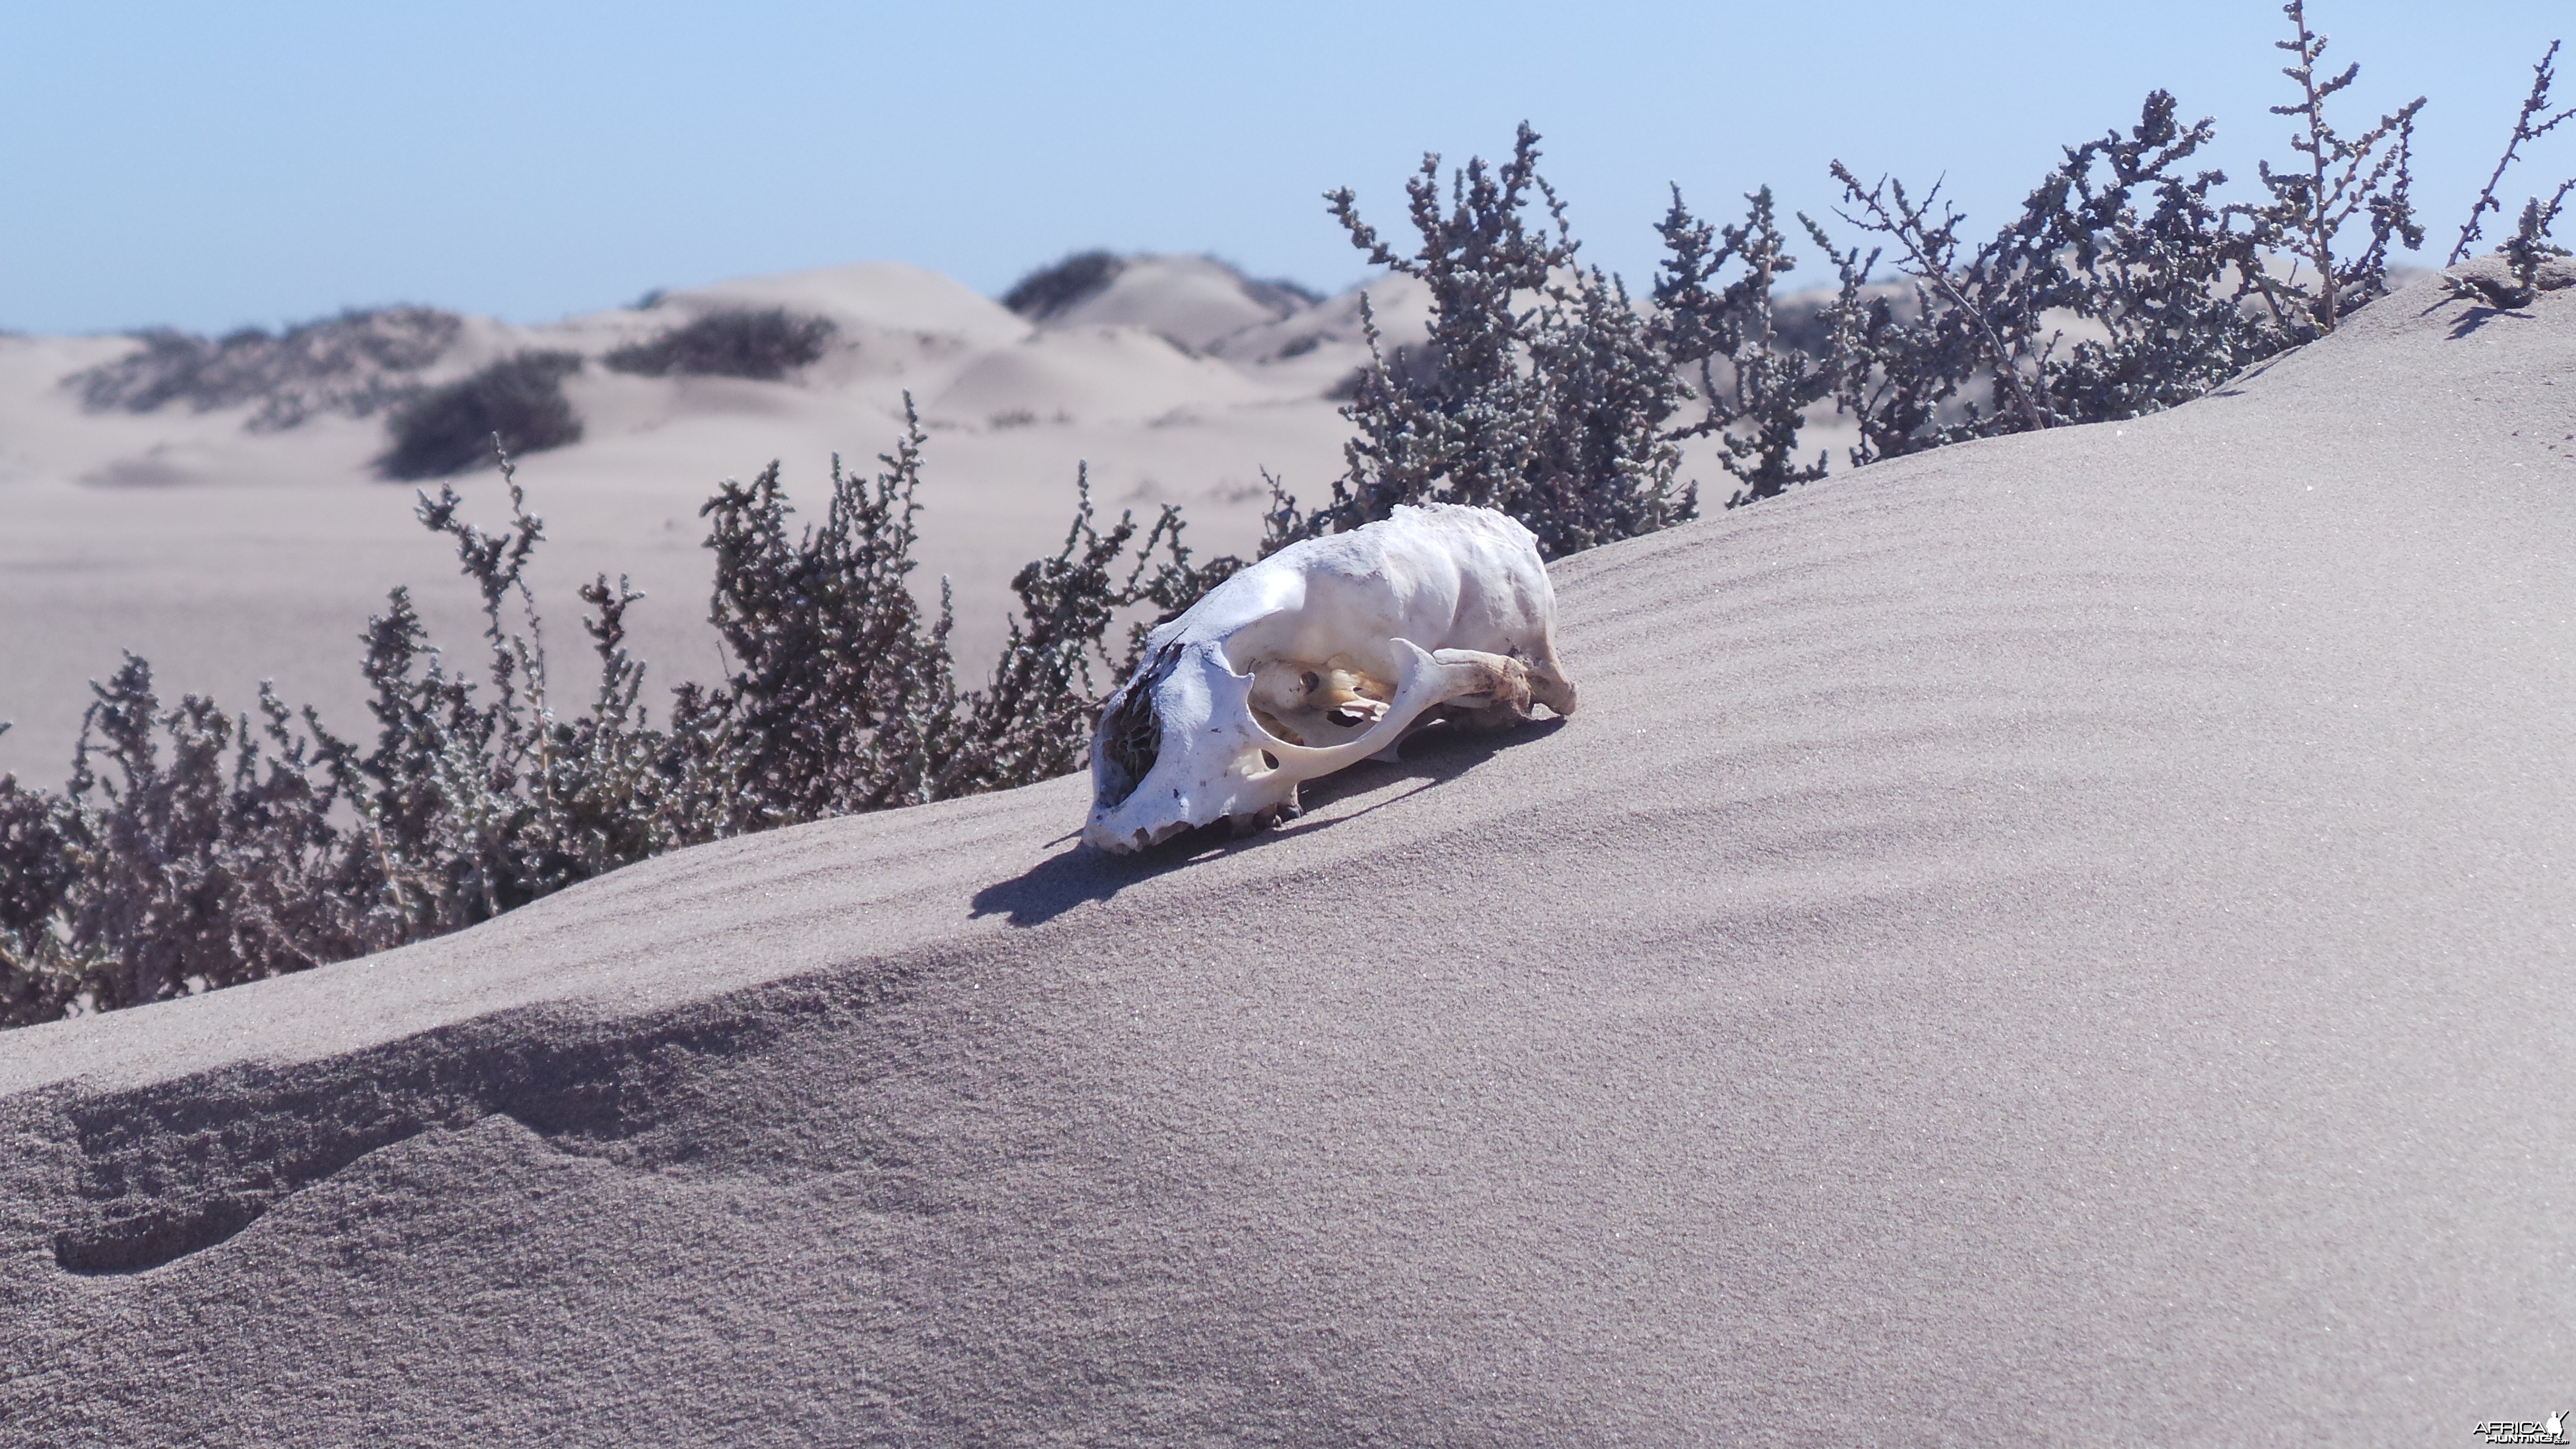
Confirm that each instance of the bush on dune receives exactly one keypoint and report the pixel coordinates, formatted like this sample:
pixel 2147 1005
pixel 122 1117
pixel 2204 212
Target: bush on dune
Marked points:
pixel 449 430
pixel 1051 289
pixel 2124 286
pixel 762 346
pixel 1058 287
pixel 356 363
pixel 2529 246
pixel 194 849
pixel 1539 391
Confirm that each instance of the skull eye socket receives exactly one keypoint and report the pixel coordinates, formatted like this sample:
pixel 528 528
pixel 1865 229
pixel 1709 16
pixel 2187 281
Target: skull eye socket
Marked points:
pixel 1131 733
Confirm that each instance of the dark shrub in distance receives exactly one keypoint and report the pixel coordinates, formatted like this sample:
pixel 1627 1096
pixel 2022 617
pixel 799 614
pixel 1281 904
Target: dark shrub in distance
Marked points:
pixel 1049 290
pixel 449 429
pixel 763 346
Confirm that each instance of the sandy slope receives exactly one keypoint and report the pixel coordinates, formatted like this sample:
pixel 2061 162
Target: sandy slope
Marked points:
pixel 2061 938
pixel 226 555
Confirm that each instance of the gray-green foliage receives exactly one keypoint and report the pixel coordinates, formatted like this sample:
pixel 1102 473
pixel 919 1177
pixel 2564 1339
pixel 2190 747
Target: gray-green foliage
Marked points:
pixel 195 848
pixel 2125 285
pixel 1052 289
pixel 1757 385
pixel 2531 123
pixel 2530 245
pixel 356 363
pixel 2120 236
pixel 2343 178
pixel 1540 390
pixel 761 345
pixel 448 430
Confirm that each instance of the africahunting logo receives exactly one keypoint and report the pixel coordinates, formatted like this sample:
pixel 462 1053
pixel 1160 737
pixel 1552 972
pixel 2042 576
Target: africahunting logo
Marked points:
pixel 2507 1431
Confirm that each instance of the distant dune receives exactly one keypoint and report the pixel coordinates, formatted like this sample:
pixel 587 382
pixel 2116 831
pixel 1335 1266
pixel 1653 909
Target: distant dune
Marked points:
pixel 2057 938
pixel 227 548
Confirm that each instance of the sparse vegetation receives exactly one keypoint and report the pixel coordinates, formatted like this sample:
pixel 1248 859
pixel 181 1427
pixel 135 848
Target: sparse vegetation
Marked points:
pixel 2530 243
pixel 1280 294
pixel 2119 241
pixel 449 430
pixel 357 363
pixel 2125 285
pixel 2529 246
pixel 1756 409
pixel 2528 125
pixel 194 848
pixel 1540 390
pixel 1051 289
pixel 2364 176
pixel 763 346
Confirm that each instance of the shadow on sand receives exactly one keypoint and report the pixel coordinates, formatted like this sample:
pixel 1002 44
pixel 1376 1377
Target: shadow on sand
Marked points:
pixel 1079 874
pixel 2500 302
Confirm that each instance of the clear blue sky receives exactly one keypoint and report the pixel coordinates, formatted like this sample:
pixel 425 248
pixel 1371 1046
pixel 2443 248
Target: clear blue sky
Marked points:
pixel 256 162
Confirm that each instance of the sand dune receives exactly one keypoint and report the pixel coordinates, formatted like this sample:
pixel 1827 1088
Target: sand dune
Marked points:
pixel 872 296
pixel 2060 937
pixel 1191 300
pixel 227 554
pixel 1122 373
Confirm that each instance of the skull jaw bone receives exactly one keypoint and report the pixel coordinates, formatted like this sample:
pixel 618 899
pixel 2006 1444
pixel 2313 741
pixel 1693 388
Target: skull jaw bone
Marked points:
pixel 1232 768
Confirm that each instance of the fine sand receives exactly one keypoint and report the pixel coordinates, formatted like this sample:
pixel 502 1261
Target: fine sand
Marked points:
pixel 2066 938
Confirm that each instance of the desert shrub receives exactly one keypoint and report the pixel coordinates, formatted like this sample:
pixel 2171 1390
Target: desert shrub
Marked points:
pixel 1281 295
pixel 195 849
pixel 2124 286
pixel 190 851
pixel 1051 289
pixel 2529 124
pixel 478 798
pixel 1032 721
pixel 1060 286
pixel 764 346
pixel 1540 390
pixel 844 697
pixel 2529 245
pixel 1415 367
pixel 1544 392
pixel 2343 179
pixel 841 699
pixel 37 872
pixel 356 363
pixel 1755 411
pixel 2118 235
pixel 449 430
pixel 210 867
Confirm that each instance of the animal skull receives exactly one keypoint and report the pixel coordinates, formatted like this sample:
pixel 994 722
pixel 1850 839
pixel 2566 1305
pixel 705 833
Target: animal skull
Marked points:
pixel 1320 656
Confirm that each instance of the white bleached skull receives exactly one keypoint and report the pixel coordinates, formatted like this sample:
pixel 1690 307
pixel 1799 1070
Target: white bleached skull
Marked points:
pixel 1317 657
